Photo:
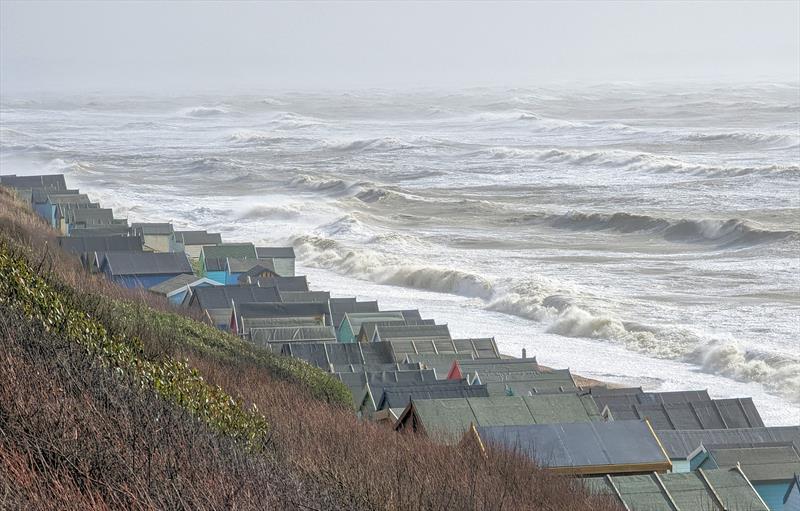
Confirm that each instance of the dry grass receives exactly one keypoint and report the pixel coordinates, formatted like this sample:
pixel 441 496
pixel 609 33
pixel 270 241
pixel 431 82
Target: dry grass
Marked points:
pixel 76 435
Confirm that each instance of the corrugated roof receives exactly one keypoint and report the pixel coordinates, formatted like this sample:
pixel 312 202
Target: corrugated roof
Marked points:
pixel 81 245
pixel 374 367
pixel 527 383
pixel 761 464
pixel 391 332
pixel 583 447
pixel 326 355
pixel 478 348
pixel 152 228
pixel 275 252
pixel 704 489
pixel 281 309
pixel 221 297
pixel 398 396
pixel 198 237
pixel 341 305
pixel 67 199
pixel 223 250
pixel 357 318
pixel 680 444
pixel 146 263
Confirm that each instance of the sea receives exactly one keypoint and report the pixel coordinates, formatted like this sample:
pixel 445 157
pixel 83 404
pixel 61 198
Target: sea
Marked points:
pixel 640 234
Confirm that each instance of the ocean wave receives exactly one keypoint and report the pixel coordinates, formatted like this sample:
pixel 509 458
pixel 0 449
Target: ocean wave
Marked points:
pixel 724 232
pixel 373 144
pixel 750 138
pixel 204 111
pixel 555 305
pixel 291 120
pixel 270 213
pixel 328 186
pixel 272 102
pixel 249 137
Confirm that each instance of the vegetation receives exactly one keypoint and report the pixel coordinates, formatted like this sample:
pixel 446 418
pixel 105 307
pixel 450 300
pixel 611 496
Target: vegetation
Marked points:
pixel 110 398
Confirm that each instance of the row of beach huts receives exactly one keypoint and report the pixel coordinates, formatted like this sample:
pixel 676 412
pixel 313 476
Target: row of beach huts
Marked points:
pixel 650 450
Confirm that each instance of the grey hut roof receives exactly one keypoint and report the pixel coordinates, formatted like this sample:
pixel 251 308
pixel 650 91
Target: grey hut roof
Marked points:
pixel 702 489
pixel 767 463
pixel 275 252
pixel 305 296
pixel 281 310
pixel 361 368
pixel 90 216
pixel 220 297
pixel 82 245
pixel 583 447
pixel 152 228
pixel 100 230
pixel 366 332
pixel 223 250
pixel 527 383
pixel 175 283
pixel 146 263
pixel 341 305
pixel 67 197
pixel 680 444
pixel 616 398
pixel 249 266
pixel 293 333
pixel 359 383
pixel 478 348
pixel 494 369
pixel 357 318
pixel 49 181
pixel 390 332
pixel 284 283
pixel 441 362
pixel 216 263
pixel 198 237
pixel 328 354
pixel 447 419
pixel 398 396
pixel 711 414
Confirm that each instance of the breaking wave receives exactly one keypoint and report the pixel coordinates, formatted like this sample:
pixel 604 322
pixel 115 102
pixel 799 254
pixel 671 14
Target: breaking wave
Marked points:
pixel 247 137
pixel 204 111
pixel 748 138
pixel 550 302
pixel 335 187
pixel 270 213
pixel 372 144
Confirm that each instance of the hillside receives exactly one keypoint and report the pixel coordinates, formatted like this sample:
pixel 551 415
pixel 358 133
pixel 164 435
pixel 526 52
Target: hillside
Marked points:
pixel 110 398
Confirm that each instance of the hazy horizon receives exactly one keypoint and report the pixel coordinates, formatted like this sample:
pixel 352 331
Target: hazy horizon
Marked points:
pixel 180 48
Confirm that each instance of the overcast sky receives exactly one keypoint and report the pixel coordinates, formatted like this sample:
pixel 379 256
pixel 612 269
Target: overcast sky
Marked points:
pixel 190 46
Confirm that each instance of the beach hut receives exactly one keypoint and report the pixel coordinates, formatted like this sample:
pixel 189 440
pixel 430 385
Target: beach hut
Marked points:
pixel 476 348
pixel 89 217
pixel 332 356
pixel 158 237
pixel 708 414
pixel 84 245
pixel 119 228
pixel 248 315
pixel 305 296
pixel 446 420
pixel 176 288
pixel 143 269
pixel 245 271
pixel 398 396
pixel 728 489
pixel 771 468
pixel 216 302
pixel 585 448
pixel 339 306
pixel 791 501
pixel 439 362
pixel 410 332
pixel 225 250
pixel 282 259
pixel 461 369
pixel 350 324
pixel 263 336
pixel 684 446
pixel 192 242
pixel 298 283
pixel 51 182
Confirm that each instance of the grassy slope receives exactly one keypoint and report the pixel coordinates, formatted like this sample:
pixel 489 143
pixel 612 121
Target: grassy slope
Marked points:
pixel 144 407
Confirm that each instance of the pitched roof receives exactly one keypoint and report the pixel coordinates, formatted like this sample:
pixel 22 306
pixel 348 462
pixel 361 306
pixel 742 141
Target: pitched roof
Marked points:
pixel 370 367
pixel 341 305
pixel 281 309
pixel 359 382
pixel 357 318
pixel 275 252
pixel 631 396
pixel 305 296
pixel 492 366
pixel 327 354
pixel 152 228
pixel 390 332
pixel 583 447
pixel 146 263
pixel 760 463
pixel 248 266
pixel 448 419
pixel 198 237
pixel 100 230
pixel 527 383
pixel 49 181
pixel 680 444
pixel 67 198
pixel 367 330
pixel 220 297
pixel 240 250
pixel 284 283
pixel 398 396
pixel 96 216
pixel 441 362
pixel 702 489
pixel 84 244
pixel 710 414
pixel 179 282
pixel 478 348
pixel 293 333
pixel 216 264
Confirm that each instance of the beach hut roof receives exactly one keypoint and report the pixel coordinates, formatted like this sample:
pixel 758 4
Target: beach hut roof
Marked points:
pixel 223 250
pixel 586 447
pixel 682 444
pixel 339 306
pixel 146 263
pixel 221 297
pixel 331 354
pixel 275 252
pixel 702 489
pixel 179 282
pixel 49 181
pixel 762 463
pixel 249 267
pixel 120 229
pixel 198 237
pixel 81 245
pixel 709 414
pixel 284 283
pixel 152 228
pixel 305 296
